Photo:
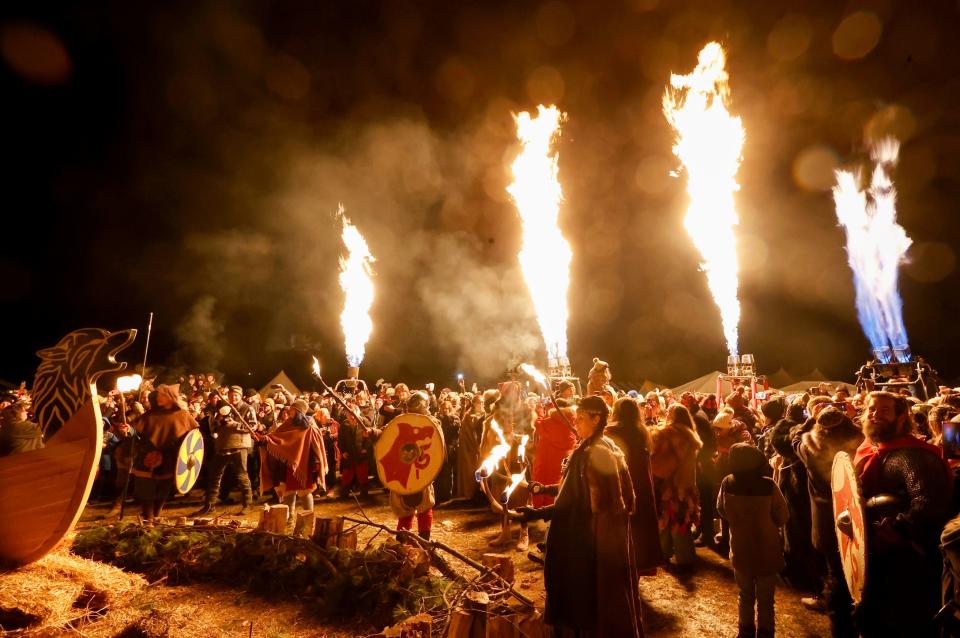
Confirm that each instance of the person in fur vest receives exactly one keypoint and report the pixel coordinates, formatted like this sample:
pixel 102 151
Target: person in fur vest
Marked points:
pixel 832 432
pixel 674 465
pixel 754 509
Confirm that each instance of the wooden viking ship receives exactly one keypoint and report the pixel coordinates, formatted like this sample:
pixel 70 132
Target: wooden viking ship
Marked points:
pixel 43 492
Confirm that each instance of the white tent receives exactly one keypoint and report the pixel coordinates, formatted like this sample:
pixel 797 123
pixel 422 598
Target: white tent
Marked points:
pixel 803 386
pixel 280 377
pixel 706 384
pixel 779 378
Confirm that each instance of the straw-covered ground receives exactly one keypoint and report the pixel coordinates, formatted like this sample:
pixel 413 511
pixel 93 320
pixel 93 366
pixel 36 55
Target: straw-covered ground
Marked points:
pixel 67 595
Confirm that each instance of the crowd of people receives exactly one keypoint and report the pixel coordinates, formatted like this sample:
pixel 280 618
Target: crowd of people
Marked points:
pixel 629 483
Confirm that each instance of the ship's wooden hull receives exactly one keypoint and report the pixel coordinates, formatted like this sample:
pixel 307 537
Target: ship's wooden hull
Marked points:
pixel 43 492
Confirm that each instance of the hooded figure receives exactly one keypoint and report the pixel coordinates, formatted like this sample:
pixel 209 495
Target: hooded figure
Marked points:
pixel 293 458
pixel 754 509
pixel 160 431
pixel 832 432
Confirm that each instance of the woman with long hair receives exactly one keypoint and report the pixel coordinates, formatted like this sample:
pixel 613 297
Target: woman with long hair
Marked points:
pixel 674 464
pixel 626 429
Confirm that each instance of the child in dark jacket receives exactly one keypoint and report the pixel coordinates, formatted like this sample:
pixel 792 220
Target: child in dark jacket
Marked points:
pixel 754 509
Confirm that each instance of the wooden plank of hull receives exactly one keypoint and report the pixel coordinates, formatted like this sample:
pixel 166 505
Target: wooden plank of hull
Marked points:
pixel 43 492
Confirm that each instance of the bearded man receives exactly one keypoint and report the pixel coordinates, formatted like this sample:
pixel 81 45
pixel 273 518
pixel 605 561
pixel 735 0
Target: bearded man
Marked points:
pixel 906 486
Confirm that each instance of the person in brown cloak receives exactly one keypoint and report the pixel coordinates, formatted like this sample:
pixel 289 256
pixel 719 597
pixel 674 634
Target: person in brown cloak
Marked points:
pixel 293 459
pixel 590 570
pixel 159 430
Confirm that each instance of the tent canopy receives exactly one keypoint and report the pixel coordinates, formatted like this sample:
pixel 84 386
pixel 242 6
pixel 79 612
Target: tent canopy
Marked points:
pixel 280 377
pixel 706 384
pixel 780 378
pixel 803 386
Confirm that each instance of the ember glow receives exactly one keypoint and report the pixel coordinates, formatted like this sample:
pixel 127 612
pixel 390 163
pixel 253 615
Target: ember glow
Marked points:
pixel 708 143
pixel 545 255
pixel 876 246
pixel 497 454
pixel 129 383
pixel 357 283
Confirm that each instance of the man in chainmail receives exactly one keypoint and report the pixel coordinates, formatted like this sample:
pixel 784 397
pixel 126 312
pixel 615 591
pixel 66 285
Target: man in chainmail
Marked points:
pixel 906 486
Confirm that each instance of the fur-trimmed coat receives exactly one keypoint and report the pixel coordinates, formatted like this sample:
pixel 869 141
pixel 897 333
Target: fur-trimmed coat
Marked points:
pixel 590 572
pixel 816 448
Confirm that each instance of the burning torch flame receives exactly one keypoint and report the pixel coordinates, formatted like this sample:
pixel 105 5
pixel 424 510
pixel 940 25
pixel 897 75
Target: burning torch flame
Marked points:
pixel 129 383
pixel 708 144
pixel 316 367
pixel 535 374
pixel 545 255
pixel 876 245
pixel 357 283
pixel 497 454
pixel 516 479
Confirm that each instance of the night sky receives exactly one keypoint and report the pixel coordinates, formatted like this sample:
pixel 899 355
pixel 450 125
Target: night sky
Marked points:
pixel 188 158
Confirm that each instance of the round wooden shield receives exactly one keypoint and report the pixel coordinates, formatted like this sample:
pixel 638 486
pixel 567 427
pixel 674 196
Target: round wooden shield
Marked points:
pixel 189 461
pixel 850 523
pixel 409 453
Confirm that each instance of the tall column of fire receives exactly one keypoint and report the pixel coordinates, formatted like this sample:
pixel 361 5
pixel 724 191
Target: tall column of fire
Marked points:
pixel 708 144
pixel 356 280
pixel 876 245
pixel 545 255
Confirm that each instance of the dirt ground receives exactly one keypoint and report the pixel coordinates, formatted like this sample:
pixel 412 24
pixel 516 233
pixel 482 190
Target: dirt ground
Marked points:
pixel 703 604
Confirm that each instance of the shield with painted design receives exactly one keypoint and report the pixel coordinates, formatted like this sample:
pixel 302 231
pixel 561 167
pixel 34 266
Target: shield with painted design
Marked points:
pixel 850 523
pixel 409 453
pixel 189 461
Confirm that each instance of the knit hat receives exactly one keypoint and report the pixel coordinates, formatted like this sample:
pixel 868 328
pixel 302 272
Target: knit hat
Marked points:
pixel 300 406
pixel 250 392
pixel 773 408
pixel 745 457
pixel 724 419
pixel 237 389
pixel 564 386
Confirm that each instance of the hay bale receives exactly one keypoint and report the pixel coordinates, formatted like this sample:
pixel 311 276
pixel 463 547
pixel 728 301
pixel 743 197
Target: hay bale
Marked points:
pixel 62 588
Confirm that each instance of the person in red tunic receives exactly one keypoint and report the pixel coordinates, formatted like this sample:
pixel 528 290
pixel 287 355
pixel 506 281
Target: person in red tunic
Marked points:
pixel 554 440
pixel 294 461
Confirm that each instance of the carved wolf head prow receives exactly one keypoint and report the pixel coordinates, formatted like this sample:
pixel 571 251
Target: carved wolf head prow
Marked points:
pixel 62 383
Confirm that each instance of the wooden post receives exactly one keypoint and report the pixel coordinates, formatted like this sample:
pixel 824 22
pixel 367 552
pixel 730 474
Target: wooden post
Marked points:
pixel 274 519
pixel 348 540
pixel 477 603
pixel 327 532
pixel 500 564
pixel 502 627
pixel 460 622
pixel 304 525
pixel 413 627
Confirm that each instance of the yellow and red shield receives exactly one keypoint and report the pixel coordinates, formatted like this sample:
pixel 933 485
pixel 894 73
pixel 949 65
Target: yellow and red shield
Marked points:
pixel 409 453
pixel 850 523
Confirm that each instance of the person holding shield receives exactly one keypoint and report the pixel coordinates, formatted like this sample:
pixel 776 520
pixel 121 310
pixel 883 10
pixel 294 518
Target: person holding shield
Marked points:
pixel 159 430
pixel 420 504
